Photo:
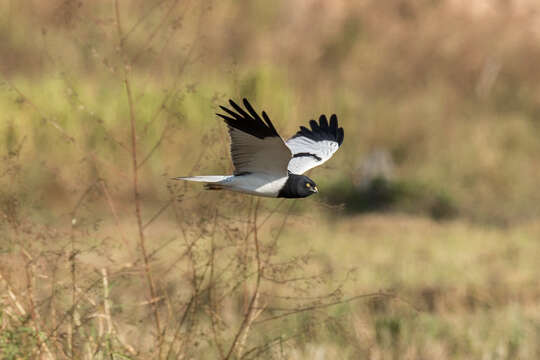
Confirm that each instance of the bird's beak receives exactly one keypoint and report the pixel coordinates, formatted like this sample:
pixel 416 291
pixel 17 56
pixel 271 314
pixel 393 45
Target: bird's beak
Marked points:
pixel 315 189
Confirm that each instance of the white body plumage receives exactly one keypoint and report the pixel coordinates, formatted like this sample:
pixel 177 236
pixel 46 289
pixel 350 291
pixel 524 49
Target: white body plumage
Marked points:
pixel 259 184
pixel 264 164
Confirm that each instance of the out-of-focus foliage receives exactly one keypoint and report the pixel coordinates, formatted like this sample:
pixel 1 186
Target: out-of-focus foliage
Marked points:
pixel 447 90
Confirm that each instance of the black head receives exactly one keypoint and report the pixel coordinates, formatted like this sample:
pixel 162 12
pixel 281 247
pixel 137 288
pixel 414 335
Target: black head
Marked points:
pixel 298 186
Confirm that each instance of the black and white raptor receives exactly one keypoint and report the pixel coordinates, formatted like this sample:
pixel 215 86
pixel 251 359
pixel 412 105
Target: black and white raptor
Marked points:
pixel 265 164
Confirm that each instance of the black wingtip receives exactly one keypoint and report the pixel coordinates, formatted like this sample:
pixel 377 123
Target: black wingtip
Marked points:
pixel 338 131
pixel 333 121
pixel 323 122
pixel 323 130
pixel 340 136
pixel 248 120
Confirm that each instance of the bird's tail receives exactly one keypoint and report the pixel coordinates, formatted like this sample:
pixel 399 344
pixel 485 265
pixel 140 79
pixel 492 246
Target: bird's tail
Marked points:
pixel 212 181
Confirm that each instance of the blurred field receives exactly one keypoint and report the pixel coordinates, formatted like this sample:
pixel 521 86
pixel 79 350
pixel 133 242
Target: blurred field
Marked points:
pixel 437 262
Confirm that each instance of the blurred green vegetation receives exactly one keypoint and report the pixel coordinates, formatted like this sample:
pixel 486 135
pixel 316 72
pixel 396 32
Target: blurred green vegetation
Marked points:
pixel 392 196
pixel 449 89
pixel 453 109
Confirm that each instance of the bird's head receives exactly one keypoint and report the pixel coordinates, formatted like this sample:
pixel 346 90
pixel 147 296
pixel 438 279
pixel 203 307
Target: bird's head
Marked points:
pixel 298 186
pixel 309 187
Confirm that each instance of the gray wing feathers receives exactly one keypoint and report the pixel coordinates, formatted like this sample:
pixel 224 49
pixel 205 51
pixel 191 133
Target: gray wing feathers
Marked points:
pixel 250 154
pixel 255 143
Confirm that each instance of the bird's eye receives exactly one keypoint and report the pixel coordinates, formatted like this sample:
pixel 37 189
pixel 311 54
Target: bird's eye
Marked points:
pixel 308 185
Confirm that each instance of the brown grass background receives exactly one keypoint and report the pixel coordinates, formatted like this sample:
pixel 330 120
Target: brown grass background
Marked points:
pixel 438 263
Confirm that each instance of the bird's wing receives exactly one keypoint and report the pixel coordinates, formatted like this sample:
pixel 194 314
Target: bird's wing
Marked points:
pixel 255 143
pixel 313 147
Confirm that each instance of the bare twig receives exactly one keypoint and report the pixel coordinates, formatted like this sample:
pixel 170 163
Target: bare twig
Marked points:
pixel 289 312
pixel 155 31
pixel 247 320
pixel 106 301
pixel 158 213
pixel 92 115
pixel 13 297
pixel 143 18
pixel 156 145
pixel 111 205
pixel 211 300
pixel 136 198
pixel 181 69
pixel 34 314
pixel 36 108
pixel 72 262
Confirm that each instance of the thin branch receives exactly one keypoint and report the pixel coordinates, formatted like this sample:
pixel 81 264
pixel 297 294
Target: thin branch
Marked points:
pixel 179 326
pixel 158 213
pixel 155 32
pixel 72 262
pixel 258 350
pixel 106 301
pixel 30 279
pixel 322 306
pixel 136 197
pixel 92 115
pixel 155 147
pixel 13 298
pixel 36 108
pixel 211 299
pixel 143 18
pixel 110 202
pixel 247 320
pixel 174 87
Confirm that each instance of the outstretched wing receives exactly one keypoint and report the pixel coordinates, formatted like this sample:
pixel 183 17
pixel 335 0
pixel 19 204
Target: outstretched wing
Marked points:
pixel 255 143
pixel 313 147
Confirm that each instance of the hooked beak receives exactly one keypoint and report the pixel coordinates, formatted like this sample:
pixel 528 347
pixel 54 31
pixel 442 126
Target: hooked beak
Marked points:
pixel 315 189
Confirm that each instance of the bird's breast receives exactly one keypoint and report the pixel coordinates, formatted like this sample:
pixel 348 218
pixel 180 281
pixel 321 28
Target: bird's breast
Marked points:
pixel 258 184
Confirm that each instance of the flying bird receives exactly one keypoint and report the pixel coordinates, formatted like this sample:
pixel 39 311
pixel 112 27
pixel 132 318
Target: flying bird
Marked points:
pixel 265 164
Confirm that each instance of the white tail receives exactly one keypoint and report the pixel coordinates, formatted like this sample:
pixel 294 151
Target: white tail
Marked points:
pixel 206 179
